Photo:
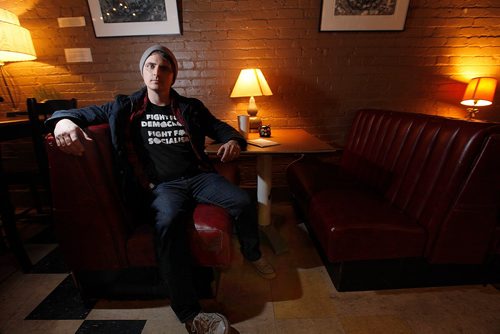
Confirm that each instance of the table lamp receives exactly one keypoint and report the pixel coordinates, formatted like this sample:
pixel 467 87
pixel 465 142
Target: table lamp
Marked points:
pixel 250 83
pixel 15 45
pixel 479 93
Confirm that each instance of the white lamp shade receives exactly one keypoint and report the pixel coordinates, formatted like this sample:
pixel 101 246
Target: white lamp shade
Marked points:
pixel 251 82
pixel 479 92
pixel 15 41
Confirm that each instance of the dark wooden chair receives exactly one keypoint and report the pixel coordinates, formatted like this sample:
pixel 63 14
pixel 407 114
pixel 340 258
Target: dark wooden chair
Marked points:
pixel 38 112
pixel 24 164
pixel 30 169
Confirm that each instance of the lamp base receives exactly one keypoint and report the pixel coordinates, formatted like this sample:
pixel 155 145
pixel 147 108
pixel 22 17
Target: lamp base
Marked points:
pixel 471 113
pixel 255 123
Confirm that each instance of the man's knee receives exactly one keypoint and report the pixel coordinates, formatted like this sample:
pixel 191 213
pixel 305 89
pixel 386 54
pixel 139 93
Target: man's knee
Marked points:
pixel 244 200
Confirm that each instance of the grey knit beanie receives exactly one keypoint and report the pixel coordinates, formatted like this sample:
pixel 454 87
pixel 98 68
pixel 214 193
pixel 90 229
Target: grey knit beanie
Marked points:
pixel 166 51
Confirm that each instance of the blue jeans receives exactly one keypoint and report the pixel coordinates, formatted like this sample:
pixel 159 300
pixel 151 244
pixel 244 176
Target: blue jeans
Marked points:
pixel 173 203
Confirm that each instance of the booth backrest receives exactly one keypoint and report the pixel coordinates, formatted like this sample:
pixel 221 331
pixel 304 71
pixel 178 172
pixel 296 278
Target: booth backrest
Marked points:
pixel 442 173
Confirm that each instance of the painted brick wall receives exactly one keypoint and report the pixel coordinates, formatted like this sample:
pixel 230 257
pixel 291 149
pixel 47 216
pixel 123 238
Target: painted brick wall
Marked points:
pixel 318 78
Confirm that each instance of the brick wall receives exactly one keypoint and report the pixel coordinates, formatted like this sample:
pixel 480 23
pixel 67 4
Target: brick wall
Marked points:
pixel 318 78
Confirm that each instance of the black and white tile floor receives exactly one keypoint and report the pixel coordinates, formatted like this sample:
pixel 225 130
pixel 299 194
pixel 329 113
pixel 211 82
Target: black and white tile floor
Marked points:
pixel 302 299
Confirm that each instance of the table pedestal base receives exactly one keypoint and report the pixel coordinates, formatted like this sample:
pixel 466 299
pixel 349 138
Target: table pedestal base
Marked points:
pixel 276 241
pixel 264 188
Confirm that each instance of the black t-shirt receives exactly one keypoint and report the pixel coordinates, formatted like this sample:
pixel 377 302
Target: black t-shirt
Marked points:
pixel 167 145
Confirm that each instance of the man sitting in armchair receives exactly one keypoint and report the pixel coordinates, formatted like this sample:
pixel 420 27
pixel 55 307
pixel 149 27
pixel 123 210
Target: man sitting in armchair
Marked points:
pixel 158 140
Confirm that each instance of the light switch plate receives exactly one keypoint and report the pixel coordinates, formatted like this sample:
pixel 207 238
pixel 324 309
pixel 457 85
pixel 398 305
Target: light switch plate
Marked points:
pixel 67 22
pixel 78 55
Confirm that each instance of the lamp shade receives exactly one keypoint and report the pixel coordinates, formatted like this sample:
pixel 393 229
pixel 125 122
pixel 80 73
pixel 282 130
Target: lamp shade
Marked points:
pixel 479 92
pixel 15 41
pixel 251 82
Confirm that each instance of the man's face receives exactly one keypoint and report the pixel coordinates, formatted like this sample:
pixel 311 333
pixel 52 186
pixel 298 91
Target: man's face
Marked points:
pixel 157 73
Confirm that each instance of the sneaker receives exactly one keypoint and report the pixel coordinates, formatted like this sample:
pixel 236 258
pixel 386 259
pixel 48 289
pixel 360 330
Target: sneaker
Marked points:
pixel 264 268
pixel 208 323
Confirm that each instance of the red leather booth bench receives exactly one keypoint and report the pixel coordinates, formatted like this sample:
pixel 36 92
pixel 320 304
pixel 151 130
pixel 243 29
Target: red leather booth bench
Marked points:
pixel 408 186
pixel 100 241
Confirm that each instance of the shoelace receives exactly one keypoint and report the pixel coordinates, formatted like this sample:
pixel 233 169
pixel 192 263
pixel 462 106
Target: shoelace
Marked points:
pixel 264 267
pixel 205 323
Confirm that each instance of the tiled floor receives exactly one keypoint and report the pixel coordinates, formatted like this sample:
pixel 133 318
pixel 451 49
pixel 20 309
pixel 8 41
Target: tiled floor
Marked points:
pixel 301 299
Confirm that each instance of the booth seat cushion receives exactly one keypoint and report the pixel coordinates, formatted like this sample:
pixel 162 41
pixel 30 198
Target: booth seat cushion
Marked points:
pixel 303 186
pixel 357 225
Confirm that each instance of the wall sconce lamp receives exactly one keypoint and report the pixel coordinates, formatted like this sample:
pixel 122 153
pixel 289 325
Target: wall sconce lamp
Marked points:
pixel 251 82
pixel 479 93
pixel 15 45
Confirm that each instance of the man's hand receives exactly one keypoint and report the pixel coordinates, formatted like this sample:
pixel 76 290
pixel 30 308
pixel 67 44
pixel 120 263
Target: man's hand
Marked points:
pixel 229 151
pixel 70 137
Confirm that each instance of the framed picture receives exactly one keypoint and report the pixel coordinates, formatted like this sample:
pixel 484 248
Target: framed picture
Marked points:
pixel 134 17
pixel 344 15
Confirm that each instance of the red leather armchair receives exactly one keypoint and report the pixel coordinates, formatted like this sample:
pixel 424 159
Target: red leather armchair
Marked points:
pixel 98 238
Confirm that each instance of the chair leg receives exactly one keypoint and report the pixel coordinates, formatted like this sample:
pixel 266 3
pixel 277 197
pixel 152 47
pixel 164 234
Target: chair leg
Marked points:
pixel 37 202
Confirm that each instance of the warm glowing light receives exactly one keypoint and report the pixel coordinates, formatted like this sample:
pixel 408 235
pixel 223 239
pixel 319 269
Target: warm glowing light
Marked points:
pixel 251 82
pixel 15 45
pixel 15 41
pixel 479 92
